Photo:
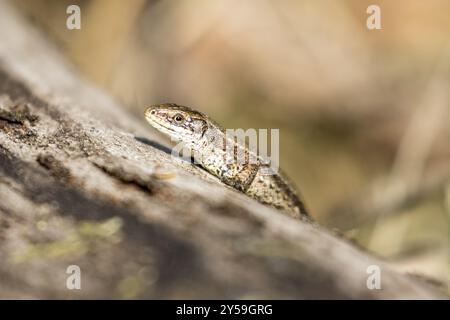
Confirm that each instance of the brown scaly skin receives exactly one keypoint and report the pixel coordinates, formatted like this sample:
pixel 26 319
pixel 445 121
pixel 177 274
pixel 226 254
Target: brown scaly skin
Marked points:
pixel 208 141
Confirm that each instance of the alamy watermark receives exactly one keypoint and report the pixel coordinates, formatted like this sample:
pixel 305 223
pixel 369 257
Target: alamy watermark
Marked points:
pixel 240 147
pixel 73 281
pixel 374 279
pixel 73 21
pixel 373 22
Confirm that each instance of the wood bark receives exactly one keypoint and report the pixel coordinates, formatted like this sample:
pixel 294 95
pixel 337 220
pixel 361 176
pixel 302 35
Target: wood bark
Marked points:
pixel 84 182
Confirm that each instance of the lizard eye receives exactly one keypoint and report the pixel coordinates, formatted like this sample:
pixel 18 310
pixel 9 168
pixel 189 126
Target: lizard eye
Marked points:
pixel 178 118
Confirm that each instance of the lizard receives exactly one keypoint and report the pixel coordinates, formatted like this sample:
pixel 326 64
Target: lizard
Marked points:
pixel 211 146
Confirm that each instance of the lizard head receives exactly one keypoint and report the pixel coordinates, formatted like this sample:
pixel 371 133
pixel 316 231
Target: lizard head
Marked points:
pixel 179 122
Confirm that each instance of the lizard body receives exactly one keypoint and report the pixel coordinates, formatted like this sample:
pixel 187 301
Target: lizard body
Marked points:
pixel 211 148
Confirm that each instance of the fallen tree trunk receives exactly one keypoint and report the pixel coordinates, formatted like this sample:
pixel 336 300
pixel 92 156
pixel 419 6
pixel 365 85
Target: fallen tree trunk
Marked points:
pixel 83 182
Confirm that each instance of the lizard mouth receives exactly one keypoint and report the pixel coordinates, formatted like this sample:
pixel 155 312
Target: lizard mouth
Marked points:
pixel 162 126
pixel 159 125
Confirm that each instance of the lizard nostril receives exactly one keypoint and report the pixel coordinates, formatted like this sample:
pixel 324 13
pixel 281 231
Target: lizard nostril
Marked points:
pixel 153 112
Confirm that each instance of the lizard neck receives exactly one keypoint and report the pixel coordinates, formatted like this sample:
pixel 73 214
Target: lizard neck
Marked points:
pixel 225 158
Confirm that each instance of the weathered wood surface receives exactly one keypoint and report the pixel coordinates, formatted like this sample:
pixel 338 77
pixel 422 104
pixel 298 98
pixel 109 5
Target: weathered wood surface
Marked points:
pixel 84 182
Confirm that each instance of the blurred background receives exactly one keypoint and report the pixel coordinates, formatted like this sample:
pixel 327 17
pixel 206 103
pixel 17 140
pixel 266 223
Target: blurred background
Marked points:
pixel 363 114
